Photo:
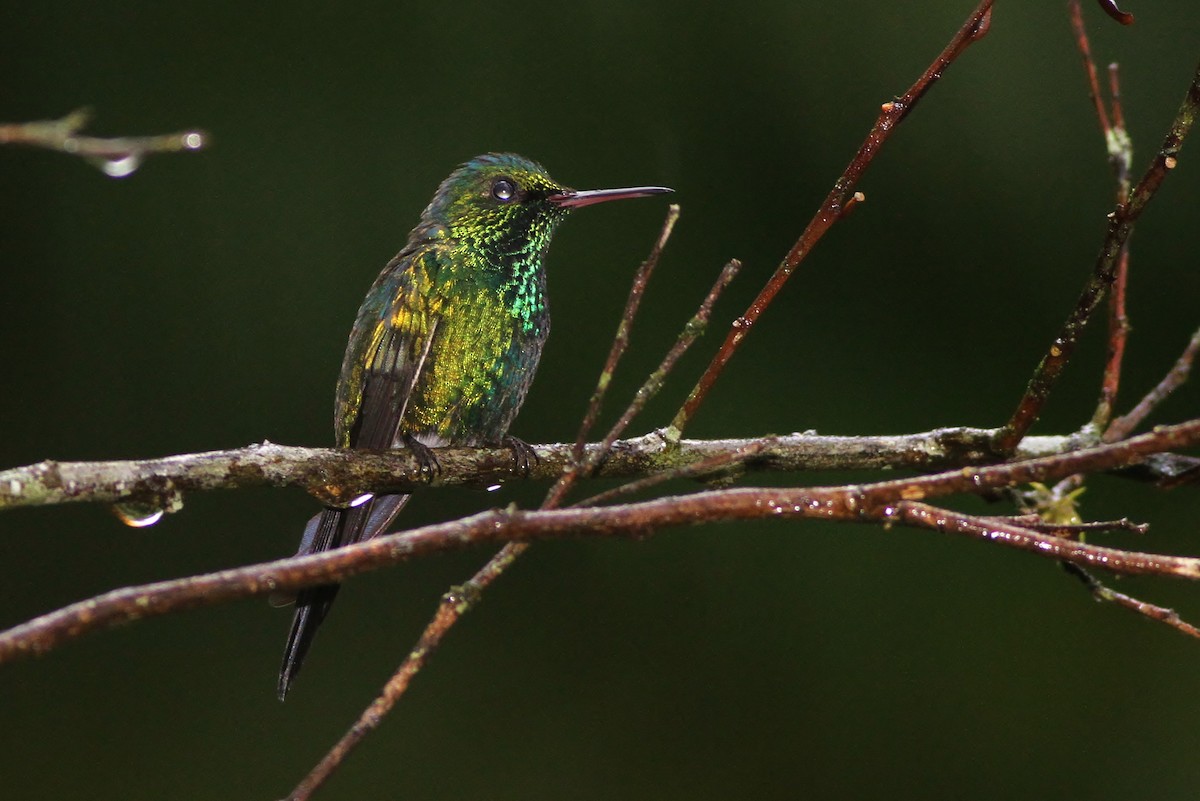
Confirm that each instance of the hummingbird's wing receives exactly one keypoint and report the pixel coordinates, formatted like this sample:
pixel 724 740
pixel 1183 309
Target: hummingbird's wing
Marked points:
pixel 389 346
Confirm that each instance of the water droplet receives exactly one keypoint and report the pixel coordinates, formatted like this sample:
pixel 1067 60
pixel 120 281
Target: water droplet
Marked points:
pixel 494 487
pixel 121 166
pixel 146 511
pixel 277 597
pixel 193 140
pixel 361 499
pixel 138 514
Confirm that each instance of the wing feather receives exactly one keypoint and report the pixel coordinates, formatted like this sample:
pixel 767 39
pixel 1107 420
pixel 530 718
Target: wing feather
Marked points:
pixel 389 346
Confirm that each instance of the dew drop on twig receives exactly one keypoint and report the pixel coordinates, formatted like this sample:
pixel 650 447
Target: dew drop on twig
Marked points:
pixel 120 167
pixel 138 514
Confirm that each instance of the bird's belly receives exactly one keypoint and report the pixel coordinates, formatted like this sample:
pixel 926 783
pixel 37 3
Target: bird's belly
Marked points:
pixel 478 370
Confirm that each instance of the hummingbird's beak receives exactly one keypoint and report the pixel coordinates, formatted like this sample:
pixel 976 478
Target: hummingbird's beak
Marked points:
pixel 573 198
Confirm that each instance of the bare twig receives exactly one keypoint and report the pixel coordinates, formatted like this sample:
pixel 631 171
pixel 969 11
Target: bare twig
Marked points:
pixel 718 464
pixel 454 604
pixel 117 156
pixel 691 332
pixel 1067 551
pixel 1089 65
pixel 1123 426
pixel 1102 592
pixel 621 339
pixel 1111 120
pixel 1118 335
pixel 1074 530
pixel 832 209
pixel 1120 145
pixel 1120 155
pixel 1121 224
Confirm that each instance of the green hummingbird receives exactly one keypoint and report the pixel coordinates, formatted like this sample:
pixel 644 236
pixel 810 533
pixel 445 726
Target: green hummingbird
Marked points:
pixel 446 342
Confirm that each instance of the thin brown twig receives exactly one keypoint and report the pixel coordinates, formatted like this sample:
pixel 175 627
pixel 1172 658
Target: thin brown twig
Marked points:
pixel 1104 593
pixel 1074 530
pixel 1120 153
pixel 621 339
pixel 454 604
pixel 1175 378
pixel 1120 145
pixel 833 208
pixel 1118 336
pixel 1121 224
pixel 878 502
pixel 718 463
pixel 1026 537
pixel 1114 92
pixel 1132 563
pixel 692 331
pixel 1075 10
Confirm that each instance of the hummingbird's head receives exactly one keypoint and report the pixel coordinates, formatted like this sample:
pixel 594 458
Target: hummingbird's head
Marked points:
pixel 498 200
pixel 506 204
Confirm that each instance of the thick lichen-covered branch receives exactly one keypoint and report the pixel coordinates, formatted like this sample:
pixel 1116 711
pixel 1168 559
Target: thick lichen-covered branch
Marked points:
pixel 332 474
pixel 336 476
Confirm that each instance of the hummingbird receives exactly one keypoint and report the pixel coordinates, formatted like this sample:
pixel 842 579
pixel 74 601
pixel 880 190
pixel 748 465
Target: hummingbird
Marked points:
pixel 445 344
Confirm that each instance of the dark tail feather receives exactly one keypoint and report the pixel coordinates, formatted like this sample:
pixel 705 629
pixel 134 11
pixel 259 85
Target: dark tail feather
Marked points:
pixel 329 529
pixel 311 607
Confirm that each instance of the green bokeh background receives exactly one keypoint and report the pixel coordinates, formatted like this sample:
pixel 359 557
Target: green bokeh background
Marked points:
pixel 204 303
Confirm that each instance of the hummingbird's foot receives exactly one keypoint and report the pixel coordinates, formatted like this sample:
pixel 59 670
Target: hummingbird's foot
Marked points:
pixel 430 468
pixel 524 456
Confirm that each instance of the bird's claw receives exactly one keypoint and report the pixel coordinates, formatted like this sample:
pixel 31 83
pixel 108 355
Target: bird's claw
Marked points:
pixel 524 456
pixel 430 467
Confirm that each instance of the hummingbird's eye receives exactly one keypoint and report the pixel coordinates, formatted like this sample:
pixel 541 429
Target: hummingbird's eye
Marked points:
pixel 504 190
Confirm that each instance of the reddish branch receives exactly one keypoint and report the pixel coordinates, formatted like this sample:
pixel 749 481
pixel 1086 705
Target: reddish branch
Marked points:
pixel 1124 426
pixel 1104 593
pixel 621 340
pixel 1118 335
pixel 1120 226
pixel 1120 154
pixel 837 202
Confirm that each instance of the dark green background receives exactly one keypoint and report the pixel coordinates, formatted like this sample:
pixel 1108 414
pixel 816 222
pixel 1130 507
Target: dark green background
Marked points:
pixel 204 303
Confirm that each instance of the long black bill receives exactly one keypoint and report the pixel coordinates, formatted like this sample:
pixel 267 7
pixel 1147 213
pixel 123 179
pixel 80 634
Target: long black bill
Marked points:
pixel 573 198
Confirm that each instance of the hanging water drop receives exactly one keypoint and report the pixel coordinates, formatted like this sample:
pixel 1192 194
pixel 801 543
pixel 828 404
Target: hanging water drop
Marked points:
pixel 144 511
pixel 138 514
pixel 120 166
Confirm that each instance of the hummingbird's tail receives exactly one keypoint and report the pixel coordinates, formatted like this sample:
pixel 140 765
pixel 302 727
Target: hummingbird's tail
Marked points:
pixel 330 529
